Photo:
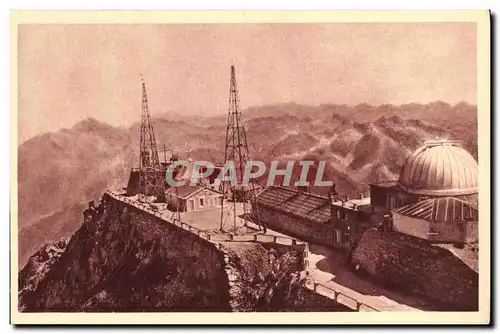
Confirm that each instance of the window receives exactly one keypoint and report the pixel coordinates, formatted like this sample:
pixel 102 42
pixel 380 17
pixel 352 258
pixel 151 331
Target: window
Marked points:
pixel 344 216
pixel 345 238
pixel 341 215
pixel 392 202
pixel 201 202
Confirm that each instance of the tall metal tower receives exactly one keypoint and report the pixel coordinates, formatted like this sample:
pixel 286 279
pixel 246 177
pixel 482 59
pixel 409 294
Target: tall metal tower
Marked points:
pixel 151 178
pixel 236 151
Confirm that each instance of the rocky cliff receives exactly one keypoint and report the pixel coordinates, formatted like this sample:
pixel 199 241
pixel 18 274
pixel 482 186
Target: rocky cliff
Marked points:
pixel 123 259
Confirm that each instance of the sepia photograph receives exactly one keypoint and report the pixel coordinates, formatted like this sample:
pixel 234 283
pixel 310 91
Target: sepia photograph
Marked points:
pixel 254 168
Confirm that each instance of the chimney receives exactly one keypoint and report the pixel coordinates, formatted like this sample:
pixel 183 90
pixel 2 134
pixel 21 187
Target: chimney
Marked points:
pixel 333 190
pixel 332 193
pixel 360 195
pixel 346 198
pixel 387 222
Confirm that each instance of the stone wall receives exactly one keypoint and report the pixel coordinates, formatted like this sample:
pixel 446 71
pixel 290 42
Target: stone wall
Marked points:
pixel 417 267
pixel 419 228
pixel 436 232
pixel 456 232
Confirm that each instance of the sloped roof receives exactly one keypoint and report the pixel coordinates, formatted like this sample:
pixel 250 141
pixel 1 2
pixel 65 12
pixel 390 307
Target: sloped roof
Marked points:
pixel 303 205
pixel 187 190
pixel 386 184
pixel 444 209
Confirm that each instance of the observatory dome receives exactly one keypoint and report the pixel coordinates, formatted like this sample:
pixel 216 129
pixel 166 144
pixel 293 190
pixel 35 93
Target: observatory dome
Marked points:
pixel 440 168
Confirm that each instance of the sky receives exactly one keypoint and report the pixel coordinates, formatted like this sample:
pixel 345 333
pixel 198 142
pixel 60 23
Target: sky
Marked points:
pixel 67 73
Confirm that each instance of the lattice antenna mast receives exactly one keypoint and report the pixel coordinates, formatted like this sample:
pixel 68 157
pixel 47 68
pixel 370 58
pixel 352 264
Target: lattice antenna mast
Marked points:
pixel 236 149
pixel 149 151
pixel 151 178
pixel 236 140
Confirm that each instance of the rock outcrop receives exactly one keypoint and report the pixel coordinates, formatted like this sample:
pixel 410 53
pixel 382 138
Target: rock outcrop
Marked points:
pixel 124 259
pixel 418 267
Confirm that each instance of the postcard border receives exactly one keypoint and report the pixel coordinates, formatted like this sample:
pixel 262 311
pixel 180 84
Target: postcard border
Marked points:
pixel 482 18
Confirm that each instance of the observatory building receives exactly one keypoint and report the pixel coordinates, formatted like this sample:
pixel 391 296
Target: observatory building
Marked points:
pixel 435 197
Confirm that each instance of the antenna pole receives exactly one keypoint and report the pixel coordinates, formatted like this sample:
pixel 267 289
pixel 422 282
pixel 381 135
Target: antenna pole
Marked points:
pixel 165 153
pixel 236 151
pixel 151 181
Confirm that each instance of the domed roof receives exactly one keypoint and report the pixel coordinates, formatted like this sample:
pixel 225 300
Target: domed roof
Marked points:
pixel 440 168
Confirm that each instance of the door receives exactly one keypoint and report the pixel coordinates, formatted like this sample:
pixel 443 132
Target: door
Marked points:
pixel 337 237
pixel 392 202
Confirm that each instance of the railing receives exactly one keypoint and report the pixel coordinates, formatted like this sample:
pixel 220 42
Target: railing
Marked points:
pixel 330 292
pixel 146 207
pixel 338 296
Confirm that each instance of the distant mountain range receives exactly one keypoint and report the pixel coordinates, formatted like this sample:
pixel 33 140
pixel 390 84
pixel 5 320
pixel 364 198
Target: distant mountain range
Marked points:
pixel 59 172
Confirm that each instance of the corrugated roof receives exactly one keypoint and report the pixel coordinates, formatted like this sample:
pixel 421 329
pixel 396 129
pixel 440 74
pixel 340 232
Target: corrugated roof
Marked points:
pixel 321 215
pixel 303 205
pixel 443 209
pixel 440 168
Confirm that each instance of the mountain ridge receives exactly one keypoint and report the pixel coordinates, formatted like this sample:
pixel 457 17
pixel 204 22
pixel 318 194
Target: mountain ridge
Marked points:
pixel 62 169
